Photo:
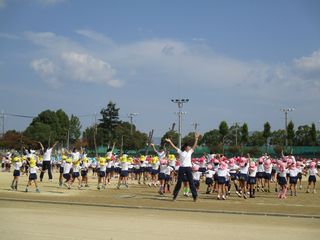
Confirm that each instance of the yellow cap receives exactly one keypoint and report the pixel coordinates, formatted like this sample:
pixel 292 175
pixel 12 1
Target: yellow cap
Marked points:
pixel 64 157
pixel 68 160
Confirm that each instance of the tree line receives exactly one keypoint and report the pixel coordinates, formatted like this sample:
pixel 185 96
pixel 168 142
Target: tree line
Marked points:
pixel 50 126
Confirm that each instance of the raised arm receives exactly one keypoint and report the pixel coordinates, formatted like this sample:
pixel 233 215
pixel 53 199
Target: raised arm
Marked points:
pixel 168 140
pixel 196 135
pixel 42 148
pixel 55 144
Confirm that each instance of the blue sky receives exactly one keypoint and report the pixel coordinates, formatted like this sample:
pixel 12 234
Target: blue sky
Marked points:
pixel 239 61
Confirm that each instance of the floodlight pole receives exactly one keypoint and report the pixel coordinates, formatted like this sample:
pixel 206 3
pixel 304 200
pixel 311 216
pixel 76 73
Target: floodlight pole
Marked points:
pixel 180 103
pixel 286 110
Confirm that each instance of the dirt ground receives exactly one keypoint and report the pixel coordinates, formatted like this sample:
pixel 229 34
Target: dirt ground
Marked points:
pixel 46 221
pixel 147 197
pixel 139 212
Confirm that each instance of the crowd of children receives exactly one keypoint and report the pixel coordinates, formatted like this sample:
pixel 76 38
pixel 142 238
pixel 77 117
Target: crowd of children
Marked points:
pixel 244 176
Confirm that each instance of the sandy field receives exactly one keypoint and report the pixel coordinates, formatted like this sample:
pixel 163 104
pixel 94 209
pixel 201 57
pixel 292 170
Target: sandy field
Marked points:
pixel 139 212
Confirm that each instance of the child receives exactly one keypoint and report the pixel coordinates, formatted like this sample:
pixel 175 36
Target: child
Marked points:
pixel 32 175
pixel 209 178
pixel 312 176
pixel 293 179
pixel 66 172
pixel 154 172
pixel 102 173
pixel 267 175
pixel 233 168
pixel 75 172
pixel 168 172
pixel 243 177
pixel 282 181
pixel 260 174
pixel 252 179
pixel 196 174
pixel 16 172
pixel 84 171
pixel 223 174
pixel 63 162
pixel 124 171
pixel 300 171
pixel 162 175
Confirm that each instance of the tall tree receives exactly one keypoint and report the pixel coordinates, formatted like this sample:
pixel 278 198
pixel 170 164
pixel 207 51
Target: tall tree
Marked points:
pixel 290 133
pixel 211 138
pixel 244 134
pixel 74 129
pixel 223 130
pixel 173 135
pixel 313 134
pixel 266 131
pixel 109 122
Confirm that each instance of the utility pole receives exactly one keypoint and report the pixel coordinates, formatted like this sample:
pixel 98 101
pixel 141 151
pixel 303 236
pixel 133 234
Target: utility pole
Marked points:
pixel 131 115
pixel 180 103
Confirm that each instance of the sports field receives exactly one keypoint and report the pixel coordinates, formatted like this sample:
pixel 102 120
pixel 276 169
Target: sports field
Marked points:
pixel 140 213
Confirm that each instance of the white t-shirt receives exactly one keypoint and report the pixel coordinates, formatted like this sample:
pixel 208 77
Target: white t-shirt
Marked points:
pixel 168 171
pixel 196 175
pixel 17 165
pixel 260 167
pixel 66 168
pixel 294 172
pixel 33 170
pixel 283 173
pixel 75 155
pixel 163 168
pixel 210 173
pixel 161 155
pixel 268 170
pixel 244 170
pixel 253 172
pixel 185 158
pixel 47 155
pixel 313 171
pixel 223 173
pixel 124 166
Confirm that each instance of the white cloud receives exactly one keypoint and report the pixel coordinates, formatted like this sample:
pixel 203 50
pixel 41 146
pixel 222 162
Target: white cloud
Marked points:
pixel 95 36
pixel 172 61
pixel 85 68
pixel 309 63
pixel 48 71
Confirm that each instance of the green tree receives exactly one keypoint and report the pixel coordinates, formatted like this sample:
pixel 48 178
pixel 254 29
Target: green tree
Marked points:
pixel 74 129
pixel 256 139
pixel 278 137
pixel 173 135
pixel 313 134
pixel 211 138
pixel 244 134
pixel 266 131
pixel 189 139
pixel 290 133
pixel 223 130
pixel 39 131
pixel 109 122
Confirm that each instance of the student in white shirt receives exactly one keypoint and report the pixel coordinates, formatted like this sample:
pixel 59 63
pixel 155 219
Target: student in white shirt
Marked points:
pixel 46 164
pixel 223 174
pixel 185 167
pixel 252 179
pixel 32 175
pixel 293 179
pixel 16 172
pixel 312 179
pixel 209 178
pixel 196 174
pixel 282 180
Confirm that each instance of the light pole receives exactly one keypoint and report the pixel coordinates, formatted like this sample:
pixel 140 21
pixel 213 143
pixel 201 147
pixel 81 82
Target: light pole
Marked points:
pixel 236 125
pixel 180 103
pixel 286 110
pixel 131 115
